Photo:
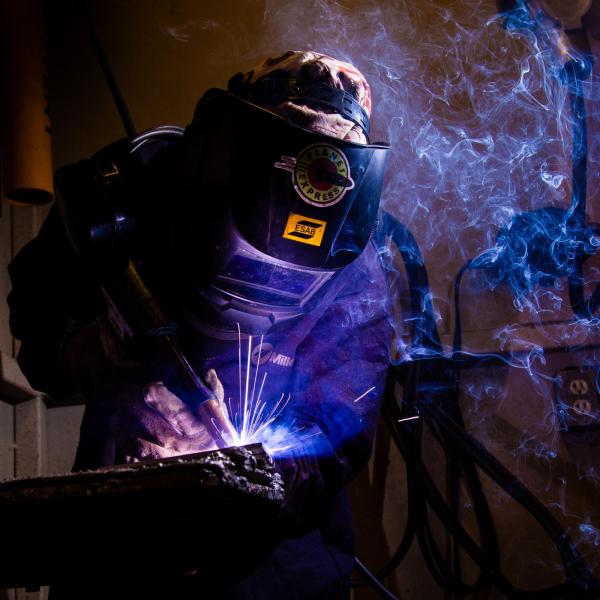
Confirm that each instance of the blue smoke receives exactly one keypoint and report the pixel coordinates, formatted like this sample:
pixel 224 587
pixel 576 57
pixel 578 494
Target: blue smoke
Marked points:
pixel 491 186
pixel 536 249
pixel 489 179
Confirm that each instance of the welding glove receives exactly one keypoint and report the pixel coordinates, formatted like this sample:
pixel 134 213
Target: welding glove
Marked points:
pixel 152 422
pixel 336 445
pixel 310 485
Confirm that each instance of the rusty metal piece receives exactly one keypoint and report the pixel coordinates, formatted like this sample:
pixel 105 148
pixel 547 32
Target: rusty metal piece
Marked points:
pixel 187 509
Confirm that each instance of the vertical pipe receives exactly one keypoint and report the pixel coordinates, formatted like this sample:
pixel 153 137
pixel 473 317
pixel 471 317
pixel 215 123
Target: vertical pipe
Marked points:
pixel 25 132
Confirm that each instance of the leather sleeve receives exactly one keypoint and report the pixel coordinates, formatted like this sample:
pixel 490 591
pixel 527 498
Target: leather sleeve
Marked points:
pixel 340 379
pixel 52 297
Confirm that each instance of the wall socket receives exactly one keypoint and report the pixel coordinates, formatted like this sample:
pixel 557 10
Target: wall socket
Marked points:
pixel 577 398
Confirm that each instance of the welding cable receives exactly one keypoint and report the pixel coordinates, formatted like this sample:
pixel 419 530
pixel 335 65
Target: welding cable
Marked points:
pixel 461 468
pixel 409 436
pixel 575 568
pixel 425 335
pixel 431 554
pixel 456 468
pixel 481 509
pixel 421 486
pixel 115 91
pixel 470 447
pixel 573 73
pixel 539 512
pixel 578 576
pixel 453 475
pixel 421 304
pixel 162 132
pixel 408 536
pixel 408 443
pixel 422 322
pixel 594 301
pixel 434 499
pixel 457 343
pixel 422 491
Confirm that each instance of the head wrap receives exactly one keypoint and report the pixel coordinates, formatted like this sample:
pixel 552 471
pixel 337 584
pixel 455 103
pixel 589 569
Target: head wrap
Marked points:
pixel 311 70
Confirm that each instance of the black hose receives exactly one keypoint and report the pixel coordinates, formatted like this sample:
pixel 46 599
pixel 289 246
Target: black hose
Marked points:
pixel 411 518
pixel 107 71
pixel 573 74
pixel 431 388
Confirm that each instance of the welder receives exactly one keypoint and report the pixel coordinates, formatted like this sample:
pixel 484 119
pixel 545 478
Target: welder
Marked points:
pixel 253 229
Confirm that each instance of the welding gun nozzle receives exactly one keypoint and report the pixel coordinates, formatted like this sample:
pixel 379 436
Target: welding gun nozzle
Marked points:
pixel 216 422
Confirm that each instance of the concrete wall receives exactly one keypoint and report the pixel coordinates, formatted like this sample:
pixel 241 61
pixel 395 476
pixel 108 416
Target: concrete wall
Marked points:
pixel 34 439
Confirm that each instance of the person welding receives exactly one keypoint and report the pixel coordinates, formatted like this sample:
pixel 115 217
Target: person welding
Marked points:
pixel 248 238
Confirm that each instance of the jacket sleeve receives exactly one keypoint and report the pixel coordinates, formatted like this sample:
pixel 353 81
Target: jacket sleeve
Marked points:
pixel 52 297
pixel 339 382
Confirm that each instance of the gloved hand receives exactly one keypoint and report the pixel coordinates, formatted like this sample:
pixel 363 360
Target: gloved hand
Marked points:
pixel 152 422
pixel 334 447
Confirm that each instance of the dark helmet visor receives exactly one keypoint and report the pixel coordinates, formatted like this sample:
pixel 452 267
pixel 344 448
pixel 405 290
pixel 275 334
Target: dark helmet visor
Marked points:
pixel 295 195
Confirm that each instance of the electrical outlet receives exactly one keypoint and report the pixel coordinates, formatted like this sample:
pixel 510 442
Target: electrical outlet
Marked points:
pixel 578 398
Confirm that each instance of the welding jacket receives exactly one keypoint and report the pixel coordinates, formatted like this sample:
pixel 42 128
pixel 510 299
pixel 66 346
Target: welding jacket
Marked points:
pixel 57 313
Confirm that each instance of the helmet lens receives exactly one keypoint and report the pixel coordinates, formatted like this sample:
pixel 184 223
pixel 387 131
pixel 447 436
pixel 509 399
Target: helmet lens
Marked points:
pixel 295 195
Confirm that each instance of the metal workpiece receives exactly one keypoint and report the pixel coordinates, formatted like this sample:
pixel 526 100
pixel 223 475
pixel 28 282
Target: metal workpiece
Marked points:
pixel 186 509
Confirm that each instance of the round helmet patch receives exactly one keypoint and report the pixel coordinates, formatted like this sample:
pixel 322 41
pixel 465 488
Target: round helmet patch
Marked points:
pixel 320 173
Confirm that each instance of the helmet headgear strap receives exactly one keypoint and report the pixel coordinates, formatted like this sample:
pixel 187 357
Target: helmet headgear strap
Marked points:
pixel 276 90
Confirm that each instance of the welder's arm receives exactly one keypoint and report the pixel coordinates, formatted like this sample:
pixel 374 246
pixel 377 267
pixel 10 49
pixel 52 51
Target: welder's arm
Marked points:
pixel 52 297
pixel 345 357
pixel 151 422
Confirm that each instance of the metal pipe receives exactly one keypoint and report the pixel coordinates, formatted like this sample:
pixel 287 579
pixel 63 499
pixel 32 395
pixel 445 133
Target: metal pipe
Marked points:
pixel 25 141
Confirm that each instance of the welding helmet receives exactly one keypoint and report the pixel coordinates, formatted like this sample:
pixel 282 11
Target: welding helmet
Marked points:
pixel 299 203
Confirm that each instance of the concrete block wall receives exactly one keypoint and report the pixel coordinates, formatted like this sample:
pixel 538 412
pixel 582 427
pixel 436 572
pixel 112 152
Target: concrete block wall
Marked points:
pixel 24 419
pixel 34 439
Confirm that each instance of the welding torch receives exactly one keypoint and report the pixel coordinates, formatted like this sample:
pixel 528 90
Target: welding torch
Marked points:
pixel 143 317
pixel 100 227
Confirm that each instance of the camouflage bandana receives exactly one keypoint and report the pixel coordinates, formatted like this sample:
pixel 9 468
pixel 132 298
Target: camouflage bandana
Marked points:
pixel 312 67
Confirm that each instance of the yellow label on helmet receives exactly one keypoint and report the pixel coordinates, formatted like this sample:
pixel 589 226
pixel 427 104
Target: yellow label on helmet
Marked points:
pixel 305 230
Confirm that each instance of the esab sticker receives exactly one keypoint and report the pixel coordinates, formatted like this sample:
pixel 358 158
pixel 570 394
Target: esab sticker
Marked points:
pixel 304 229
pixel 320 173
